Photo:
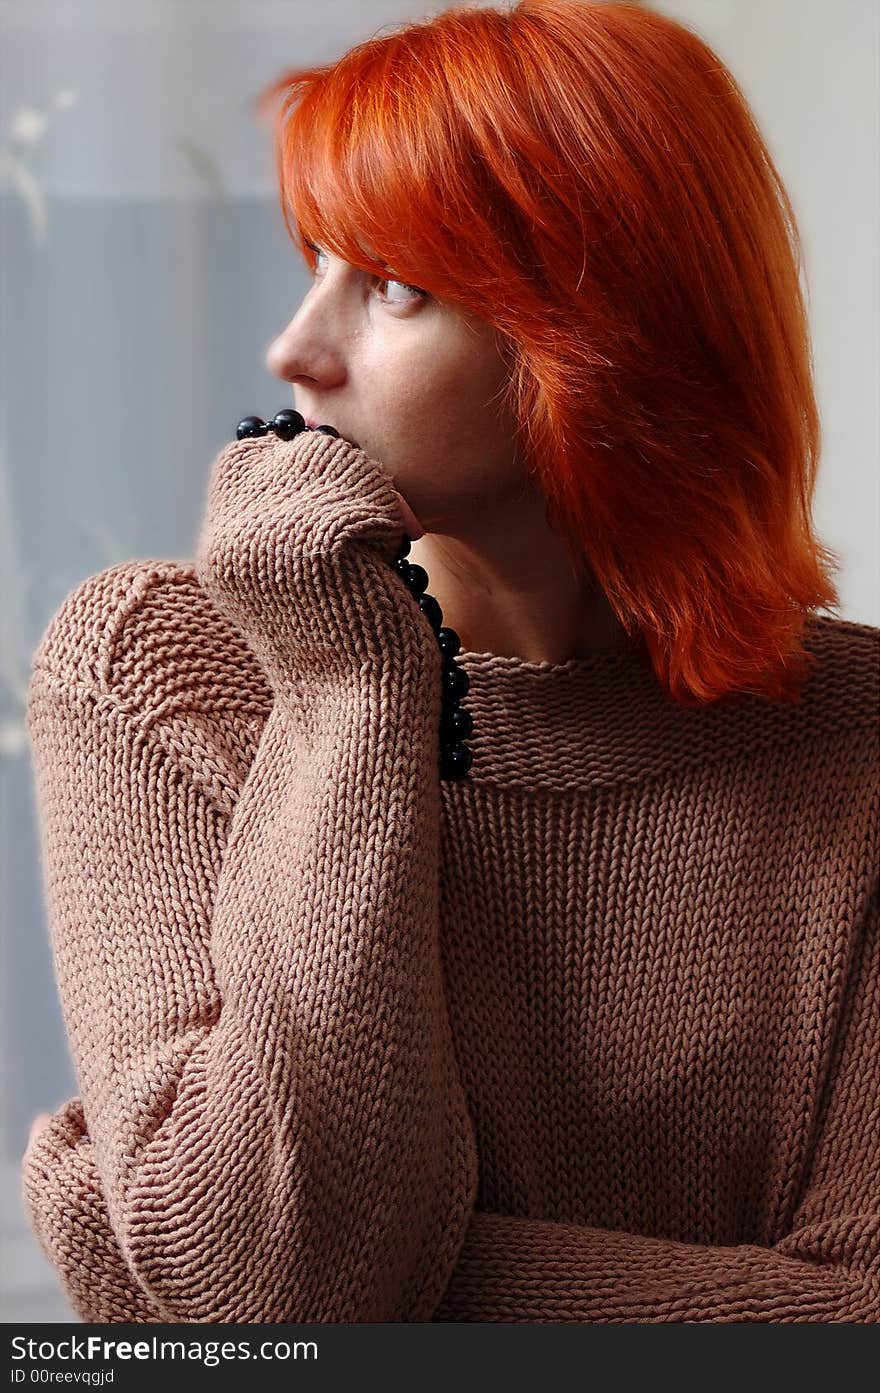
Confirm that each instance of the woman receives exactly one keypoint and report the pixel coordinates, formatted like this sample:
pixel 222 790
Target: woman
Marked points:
pixel 507 951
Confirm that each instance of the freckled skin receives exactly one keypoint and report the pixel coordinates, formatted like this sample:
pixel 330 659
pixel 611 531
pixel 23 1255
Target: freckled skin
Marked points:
pixel 417 384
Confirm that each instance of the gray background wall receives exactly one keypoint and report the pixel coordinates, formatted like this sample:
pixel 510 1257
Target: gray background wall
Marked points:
pixel 144 269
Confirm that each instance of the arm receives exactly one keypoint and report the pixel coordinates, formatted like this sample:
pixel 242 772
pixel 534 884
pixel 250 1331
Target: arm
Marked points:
pixel 825 1269
pixel 65 1206
pixel 253 994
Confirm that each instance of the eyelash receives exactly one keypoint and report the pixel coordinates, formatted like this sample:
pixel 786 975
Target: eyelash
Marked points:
pixel 382 280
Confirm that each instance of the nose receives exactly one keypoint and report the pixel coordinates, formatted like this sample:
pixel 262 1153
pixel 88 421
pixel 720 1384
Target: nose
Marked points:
pixel 288 355
pixel 278 355
pixel 309 348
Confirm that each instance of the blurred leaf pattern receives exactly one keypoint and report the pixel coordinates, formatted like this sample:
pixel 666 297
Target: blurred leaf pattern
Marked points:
pixel 19 153
pixel 27 130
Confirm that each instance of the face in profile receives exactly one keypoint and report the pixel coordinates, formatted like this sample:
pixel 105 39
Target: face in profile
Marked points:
pixel 417 383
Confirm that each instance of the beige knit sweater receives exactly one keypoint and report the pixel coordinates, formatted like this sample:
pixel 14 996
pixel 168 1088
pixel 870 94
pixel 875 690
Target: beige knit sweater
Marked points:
pixel 592 1034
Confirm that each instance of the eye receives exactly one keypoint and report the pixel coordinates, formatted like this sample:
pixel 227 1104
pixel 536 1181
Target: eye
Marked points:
pixel 317 251
pixel 412 290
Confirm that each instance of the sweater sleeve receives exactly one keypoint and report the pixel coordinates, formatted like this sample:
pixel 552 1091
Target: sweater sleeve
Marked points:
pixel 253 993
pixel 64 1201
pixel 825 1269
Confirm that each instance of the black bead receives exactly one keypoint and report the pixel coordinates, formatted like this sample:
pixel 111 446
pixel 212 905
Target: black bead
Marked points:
pixel 432 611
pixel 455 761
pixel 455 683
pixel 328 430
pixel 449 641
pixel 416 577
pixel 455 724
pixel 286 424
pixel 250 426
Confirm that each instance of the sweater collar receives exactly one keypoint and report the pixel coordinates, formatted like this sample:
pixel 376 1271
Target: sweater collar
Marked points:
pixel 604 719
pixel 555 725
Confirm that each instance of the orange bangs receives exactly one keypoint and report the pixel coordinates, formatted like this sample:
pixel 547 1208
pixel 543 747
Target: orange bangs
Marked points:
pixel 589 180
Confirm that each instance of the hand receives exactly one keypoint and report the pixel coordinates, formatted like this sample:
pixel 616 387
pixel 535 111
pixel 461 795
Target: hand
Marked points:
pixel 37 1126
pixel 413 527
pixel 296 546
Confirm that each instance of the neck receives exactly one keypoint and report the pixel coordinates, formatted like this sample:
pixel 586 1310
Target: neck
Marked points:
pixel 511 588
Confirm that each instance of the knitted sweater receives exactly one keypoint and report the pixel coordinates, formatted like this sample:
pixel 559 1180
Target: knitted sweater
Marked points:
pixel 592 1034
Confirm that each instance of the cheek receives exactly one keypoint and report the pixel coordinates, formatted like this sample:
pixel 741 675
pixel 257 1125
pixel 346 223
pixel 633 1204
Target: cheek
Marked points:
pixel 459 464
pixel 453 395
pixel 448 440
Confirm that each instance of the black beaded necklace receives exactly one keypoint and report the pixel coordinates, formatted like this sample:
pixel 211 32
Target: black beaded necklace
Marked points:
pixel 456 724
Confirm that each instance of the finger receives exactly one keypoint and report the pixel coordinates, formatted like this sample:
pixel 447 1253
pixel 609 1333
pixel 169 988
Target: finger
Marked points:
pixel 37 1126
pixel 414 528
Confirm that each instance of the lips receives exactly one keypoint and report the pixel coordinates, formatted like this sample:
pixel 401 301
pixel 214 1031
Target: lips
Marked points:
pixel 313 425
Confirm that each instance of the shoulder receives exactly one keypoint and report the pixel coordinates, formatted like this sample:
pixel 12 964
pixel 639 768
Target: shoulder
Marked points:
pixel 829 741
pixel 138 630
pixel 146 635
pixel 843 688
pixel 824 739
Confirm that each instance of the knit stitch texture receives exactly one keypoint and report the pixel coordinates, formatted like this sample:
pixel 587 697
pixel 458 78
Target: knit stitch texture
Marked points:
pixel 591 1035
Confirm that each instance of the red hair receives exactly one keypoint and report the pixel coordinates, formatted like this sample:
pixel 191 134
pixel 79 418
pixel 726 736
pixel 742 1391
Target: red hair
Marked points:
pixel 588 179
